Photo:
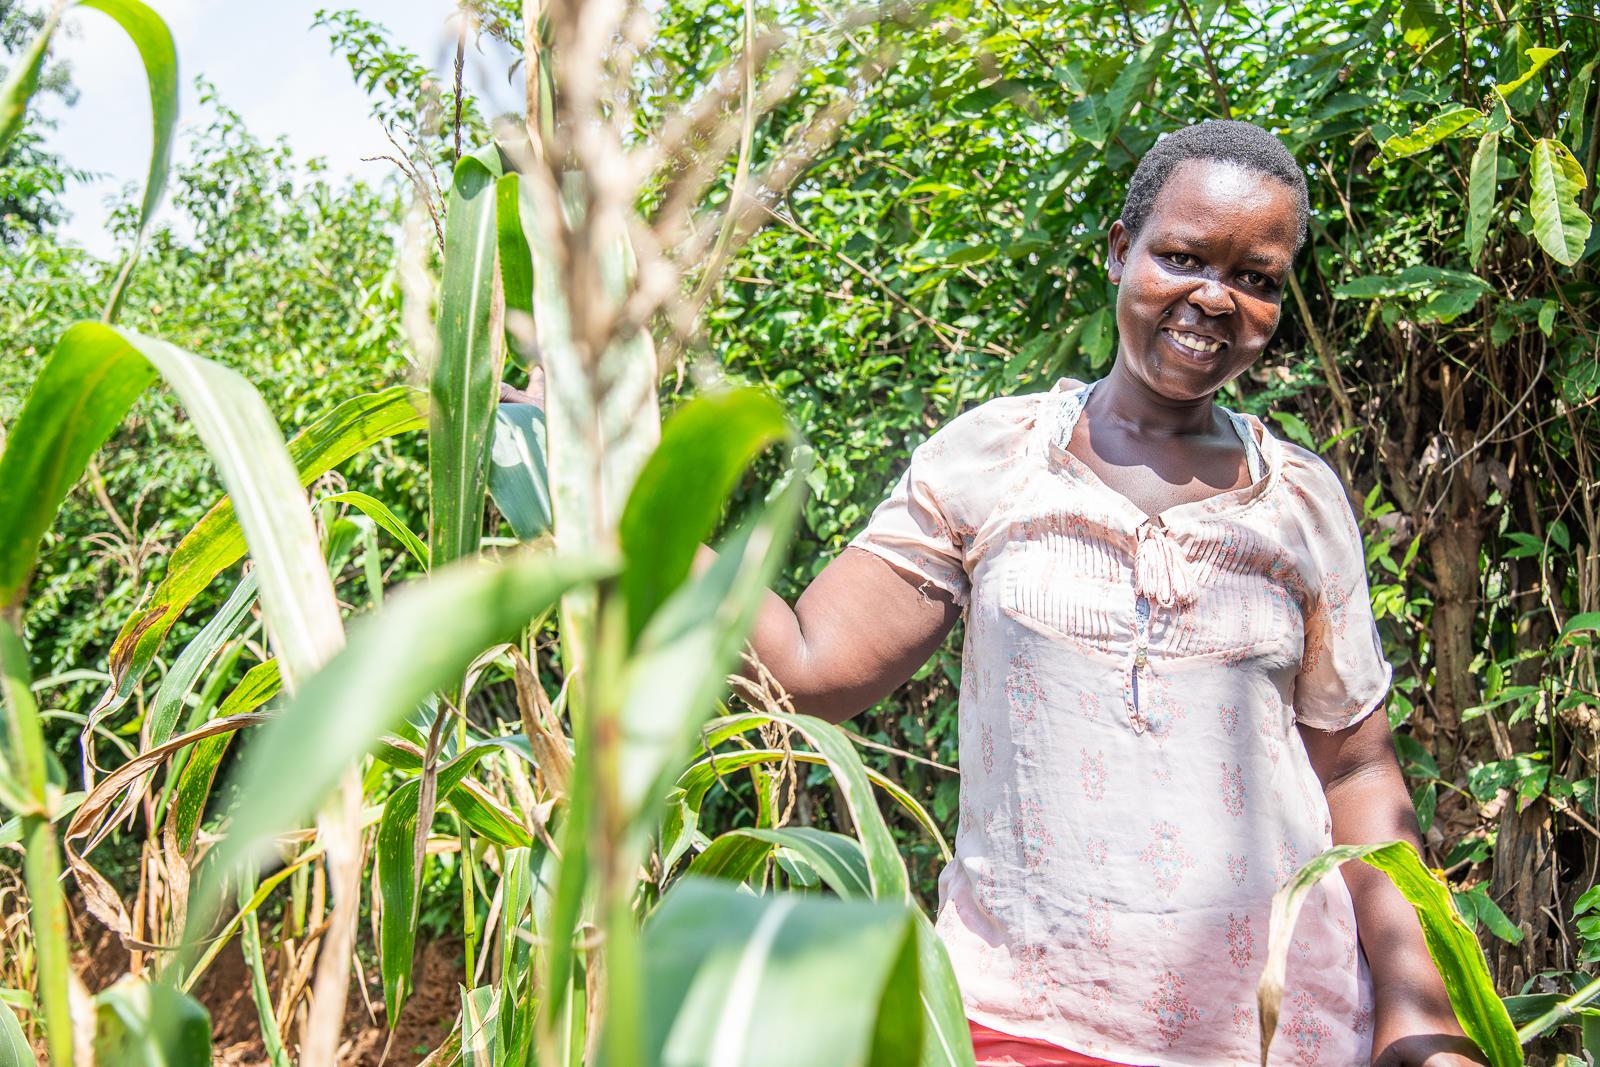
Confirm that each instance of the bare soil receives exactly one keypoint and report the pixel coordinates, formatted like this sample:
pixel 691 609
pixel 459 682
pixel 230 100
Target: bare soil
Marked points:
pixel 236 1031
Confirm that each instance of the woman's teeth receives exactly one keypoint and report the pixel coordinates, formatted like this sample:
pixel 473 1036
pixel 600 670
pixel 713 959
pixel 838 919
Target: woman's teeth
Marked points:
pixel 1194 341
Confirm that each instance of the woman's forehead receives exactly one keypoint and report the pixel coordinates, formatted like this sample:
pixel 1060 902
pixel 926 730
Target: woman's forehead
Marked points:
pixel 1216 202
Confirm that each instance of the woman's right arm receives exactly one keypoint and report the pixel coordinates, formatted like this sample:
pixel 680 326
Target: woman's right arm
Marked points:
pixel 860 630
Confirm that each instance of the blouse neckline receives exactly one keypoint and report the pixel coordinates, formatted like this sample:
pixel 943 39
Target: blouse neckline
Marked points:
pixel 1064 404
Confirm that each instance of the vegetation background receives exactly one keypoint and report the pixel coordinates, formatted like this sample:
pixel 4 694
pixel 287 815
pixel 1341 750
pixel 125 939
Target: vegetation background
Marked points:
pixel 1440 347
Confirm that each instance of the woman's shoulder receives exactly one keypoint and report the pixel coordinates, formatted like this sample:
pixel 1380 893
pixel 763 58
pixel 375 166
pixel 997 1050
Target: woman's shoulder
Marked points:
pixel 1315 491
pixel 999 424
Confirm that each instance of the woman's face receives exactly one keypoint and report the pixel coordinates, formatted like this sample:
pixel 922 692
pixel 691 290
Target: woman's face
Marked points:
pixel 1199 290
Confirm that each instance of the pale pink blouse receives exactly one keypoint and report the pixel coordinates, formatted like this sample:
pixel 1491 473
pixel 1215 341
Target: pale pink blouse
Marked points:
pixel 1133 786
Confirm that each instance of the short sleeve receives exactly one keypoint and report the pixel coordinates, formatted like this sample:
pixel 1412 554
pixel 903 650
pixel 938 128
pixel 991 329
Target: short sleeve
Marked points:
pixel 913 529
pixel 1343 675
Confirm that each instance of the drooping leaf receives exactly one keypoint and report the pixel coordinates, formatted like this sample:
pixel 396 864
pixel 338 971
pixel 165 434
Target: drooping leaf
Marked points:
pixel 1481 184
pixel 151 37
pixel 838 859
pixel 379 512
pixel 1456 122
pixel 1453 947
pixel 216 541
pixel 22 81
pixel 1556 179
pixel 716 959
pixel 464 382
pixel 676 502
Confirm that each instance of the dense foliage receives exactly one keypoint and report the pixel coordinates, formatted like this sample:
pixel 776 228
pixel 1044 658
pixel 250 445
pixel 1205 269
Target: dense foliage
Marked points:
pixel 945 246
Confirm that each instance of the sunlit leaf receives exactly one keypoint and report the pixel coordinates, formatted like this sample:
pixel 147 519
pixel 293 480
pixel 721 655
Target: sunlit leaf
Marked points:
pixel 1555 180
pixel 1456 122
pixel 1481 185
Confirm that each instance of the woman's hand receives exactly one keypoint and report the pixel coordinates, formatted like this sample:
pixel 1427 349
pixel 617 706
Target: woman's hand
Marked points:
pixel 534 394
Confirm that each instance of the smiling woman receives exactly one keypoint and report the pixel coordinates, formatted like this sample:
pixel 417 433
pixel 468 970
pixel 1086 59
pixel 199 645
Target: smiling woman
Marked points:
pixel 1169 678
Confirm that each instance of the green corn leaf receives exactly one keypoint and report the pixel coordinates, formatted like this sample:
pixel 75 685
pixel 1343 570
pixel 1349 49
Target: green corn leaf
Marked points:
pixel 1555 180
pixel 148 1024
pixel 886 870
pixel 675 504
pixel 23 81
pixel 1454 949
pixel 379 512
pixel 216 541
pixel 464 382
pixel 393 661
pixel 680 664
pixel 518 479
pixel 681 820
pixel 151 37
pixel 947 1040
pixel 398 878
pixel 733 857
pixel 14 1048
pixel 1537 58
pixel 716 959
pixel 838 859
pixel 181 677
pixel 516 260
pixel 1456 122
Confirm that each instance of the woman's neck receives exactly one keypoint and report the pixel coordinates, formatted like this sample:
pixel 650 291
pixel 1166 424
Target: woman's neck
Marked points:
pixel 1133 406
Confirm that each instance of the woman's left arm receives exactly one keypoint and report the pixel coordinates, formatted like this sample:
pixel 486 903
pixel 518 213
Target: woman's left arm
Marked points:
pixel 1367 798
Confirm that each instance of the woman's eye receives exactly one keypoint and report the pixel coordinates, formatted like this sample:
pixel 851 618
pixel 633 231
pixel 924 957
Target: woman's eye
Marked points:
pixel 1182 259
pixel 1257 279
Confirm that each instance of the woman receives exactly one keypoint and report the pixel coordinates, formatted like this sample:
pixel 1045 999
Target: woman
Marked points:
pixel 1172 682
pixel 1170 675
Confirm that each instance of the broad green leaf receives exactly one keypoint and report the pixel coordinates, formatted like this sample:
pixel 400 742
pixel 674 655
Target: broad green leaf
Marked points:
pixel 379 512
pixel 1454 949
pixel 464 383
pixel 480 1043
pixel 518 479
pixel 1481 185
pixel 1453 123
pixel 838 859
pixel 394 659
pixel 716 959
pixel 1537 58
pixel 516 261
pixel 1555 180
pixel 23 81
pixel 947 1039
pixel 733 857
pixel 680 665
pixel 886 869
pixel 149 1024
pixel 216 541
pixel 680 824
pixel 675 504
pixel 154 42
pixel 14 1048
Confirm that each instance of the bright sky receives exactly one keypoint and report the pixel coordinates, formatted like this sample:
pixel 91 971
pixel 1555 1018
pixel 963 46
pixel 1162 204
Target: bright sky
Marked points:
pixel 267 63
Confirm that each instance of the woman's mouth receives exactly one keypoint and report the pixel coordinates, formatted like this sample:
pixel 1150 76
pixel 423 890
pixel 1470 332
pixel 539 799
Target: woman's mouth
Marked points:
pixel 1193 344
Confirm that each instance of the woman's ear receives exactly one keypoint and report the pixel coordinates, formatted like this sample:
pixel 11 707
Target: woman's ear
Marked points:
pixel 1117 244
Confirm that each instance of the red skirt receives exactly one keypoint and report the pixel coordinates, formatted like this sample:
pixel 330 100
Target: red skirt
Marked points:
pixel 995 1049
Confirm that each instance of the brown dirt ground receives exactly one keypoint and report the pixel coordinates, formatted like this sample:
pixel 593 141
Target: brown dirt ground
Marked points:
pixel 236 1032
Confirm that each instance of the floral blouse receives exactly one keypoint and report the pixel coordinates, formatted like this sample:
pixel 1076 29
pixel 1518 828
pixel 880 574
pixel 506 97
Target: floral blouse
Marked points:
pixel 1133 787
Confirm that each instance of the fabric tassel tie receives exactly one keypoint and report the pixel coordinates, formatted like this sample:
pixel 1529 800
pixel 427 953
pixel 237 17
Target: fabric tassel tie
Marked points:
pixel 1160 571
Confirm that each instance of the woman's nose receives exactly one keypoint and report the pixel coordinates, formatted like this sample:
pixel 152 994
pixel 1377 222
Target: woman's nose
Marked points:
pixel 1211 297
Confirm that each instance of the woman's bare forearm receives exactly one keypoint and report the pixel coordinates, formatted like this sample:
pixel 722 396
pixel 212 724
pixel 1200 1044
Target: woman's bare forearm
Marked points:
pixel 860 629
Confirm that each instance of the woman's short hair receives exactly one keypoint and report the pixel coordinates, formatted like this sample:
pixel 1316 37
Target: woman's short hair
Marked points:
pixel 1225 140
